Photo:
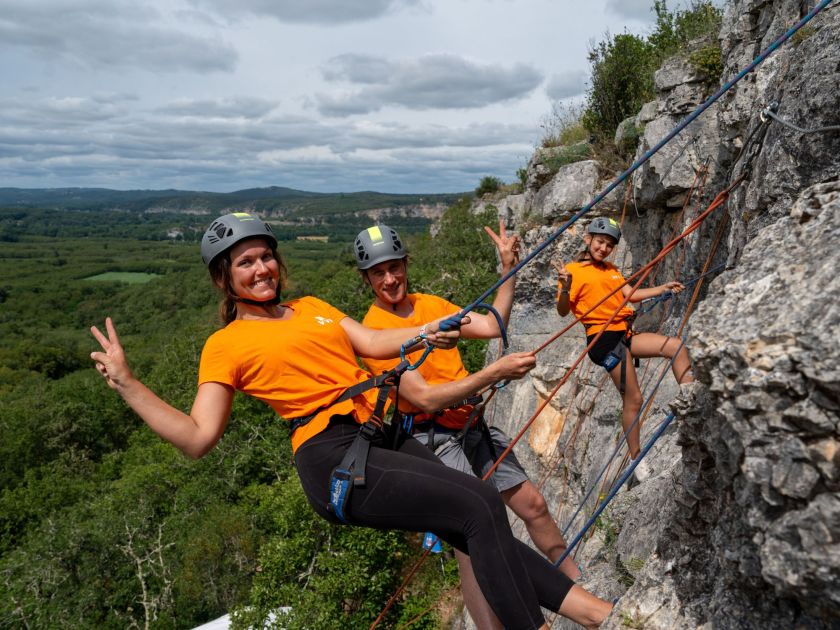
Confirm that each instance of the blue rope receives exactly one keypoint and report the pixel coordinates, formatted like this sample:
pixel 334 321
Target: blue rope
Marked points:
pixel 624 477
pixel 499 321
pixel 415 340
pixel 623 439
pixel 454 321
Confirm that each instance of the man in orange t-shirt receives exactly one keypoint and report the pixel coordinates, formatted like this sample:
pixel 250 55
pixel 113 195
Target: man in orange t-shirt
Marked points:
pixel 383 262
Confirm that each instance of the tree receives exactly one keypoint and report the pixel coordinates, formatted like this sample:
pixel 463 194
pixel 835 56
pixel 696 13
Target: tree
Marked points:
pixel 488 184
pixel 622 67
pixel 622 81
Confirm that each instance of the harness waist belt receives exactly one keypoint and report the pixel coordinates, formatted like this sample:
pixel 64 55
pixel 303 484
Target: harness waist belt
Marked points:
pixel 415 422
pixel 350 392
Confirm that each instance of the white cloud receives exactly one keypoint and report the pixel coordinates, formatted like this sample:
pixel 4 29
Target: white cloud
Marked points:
pixel 565 84
pixel 436 81
pixel 223 94
pixel 641 10
pixel 325 12
pixel 299 155
pixel 116 33
pixel 236 107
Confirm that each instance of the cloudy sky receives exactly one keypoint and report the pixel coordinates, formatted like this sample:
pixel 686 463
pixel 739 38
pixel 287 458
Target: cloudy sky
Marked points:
pixel 320 95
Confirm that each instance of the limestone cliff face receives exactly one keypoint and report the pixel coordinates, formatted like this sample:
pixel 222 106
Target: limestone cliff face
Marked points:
pixel 739 526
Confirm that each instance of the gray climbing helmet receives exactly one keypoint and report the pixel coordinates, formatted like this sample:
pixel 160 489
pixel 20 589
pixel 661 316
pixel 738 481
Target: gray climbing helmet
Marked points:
pixel 228 230
pixel 603 225
pixel 377 244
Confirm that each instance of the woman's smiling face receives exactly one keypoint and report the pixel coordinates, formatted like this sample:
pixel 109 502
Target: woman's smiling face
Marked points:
pixel 254 271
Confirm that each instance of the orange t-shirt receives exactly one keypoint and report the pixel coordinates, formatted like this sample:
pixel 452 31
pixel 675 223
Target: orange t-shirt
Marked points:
pixel 296 366
pixel 590 283
pixel 441 366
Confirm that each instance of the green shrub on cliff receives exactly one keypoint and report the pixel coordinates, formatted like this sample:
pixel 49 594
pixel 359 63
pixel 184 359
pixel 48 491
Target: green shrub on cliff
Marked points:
pixel 622 66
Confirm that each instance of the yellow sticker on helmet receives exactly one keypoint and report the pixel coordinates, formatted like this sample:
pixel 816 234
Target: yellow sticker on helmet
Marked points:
pixel 375 234
pixel 243 216
pixel 613 222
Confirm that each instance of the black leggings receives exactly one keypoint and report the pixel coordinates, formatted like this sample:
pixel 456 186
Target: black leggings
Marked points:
pixel 410 489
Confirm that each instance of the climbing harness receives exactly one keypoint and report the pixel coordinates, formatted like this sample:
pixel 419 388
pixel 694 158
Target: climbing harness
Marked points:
pixel 619 355
pixel 424 422
pixel 351 472
pixel 351 392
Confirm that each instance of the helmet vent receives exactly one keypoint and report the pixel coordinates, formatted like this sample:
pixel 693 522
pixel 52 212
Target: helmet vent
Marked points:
pixel 361 253
pixel 396 244
pixel 217 232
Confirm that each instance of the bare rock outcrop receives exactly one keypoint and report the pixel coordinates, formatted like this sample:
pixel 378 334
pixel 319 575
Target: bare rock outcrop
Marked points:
pixel 754 539
pixel 739 526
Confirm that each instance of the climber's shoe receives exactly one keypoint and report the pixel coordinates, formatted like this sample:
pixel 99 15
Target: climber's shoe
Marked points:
pixel 640 474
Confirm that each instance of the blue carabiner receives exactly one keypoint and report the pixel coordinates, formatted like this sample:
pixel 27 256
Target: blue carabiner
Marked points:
pixel 411 342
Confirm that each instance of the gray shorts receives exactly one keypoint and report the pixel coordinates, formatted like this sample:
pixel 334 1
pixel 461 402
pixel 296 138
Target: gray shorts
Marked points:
pixel 450 450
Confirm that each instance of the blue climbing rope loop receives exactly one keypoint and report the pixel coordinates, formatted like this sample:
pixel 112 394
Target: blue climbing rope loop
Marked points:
pixel 499 321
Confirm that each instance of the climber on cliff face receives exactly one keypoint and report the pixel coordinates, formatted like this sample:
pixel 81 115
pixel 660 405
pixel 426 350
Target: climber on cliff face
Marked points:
pixel 450 428
pixel 581 285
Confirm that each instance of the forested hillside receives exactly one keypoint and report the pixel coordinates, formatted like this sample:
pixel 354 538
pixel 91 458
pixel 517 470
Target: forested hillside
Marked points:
pixel 160 214
pixel 102 525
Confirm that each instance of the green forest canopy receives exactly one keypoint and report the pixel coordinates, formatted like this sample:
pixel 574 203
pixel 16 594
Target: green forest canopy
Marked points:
pixel 103 525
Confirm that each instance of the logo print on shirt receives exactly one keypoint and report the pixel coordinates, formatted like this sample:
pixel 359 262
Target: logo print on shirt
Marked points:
pixel 323 320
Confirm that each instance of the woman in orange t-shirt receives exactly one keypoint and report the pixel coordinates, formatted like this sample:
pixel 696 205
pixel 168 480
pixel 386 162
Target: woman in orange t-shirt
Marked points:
pixel 299 358
pixel 581 285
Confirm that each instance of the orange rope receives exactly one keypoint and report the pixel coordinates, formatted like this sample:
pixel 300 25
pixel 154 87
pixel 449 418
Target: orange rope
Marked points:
pixel 695 294
pixel 402 587
pixel 684 320
pixel 640 277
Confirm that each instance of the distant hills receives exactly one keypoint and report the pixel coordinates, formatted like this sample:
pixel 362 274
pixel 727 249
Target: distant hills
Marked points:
pixel 297 213
pixel 274 201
